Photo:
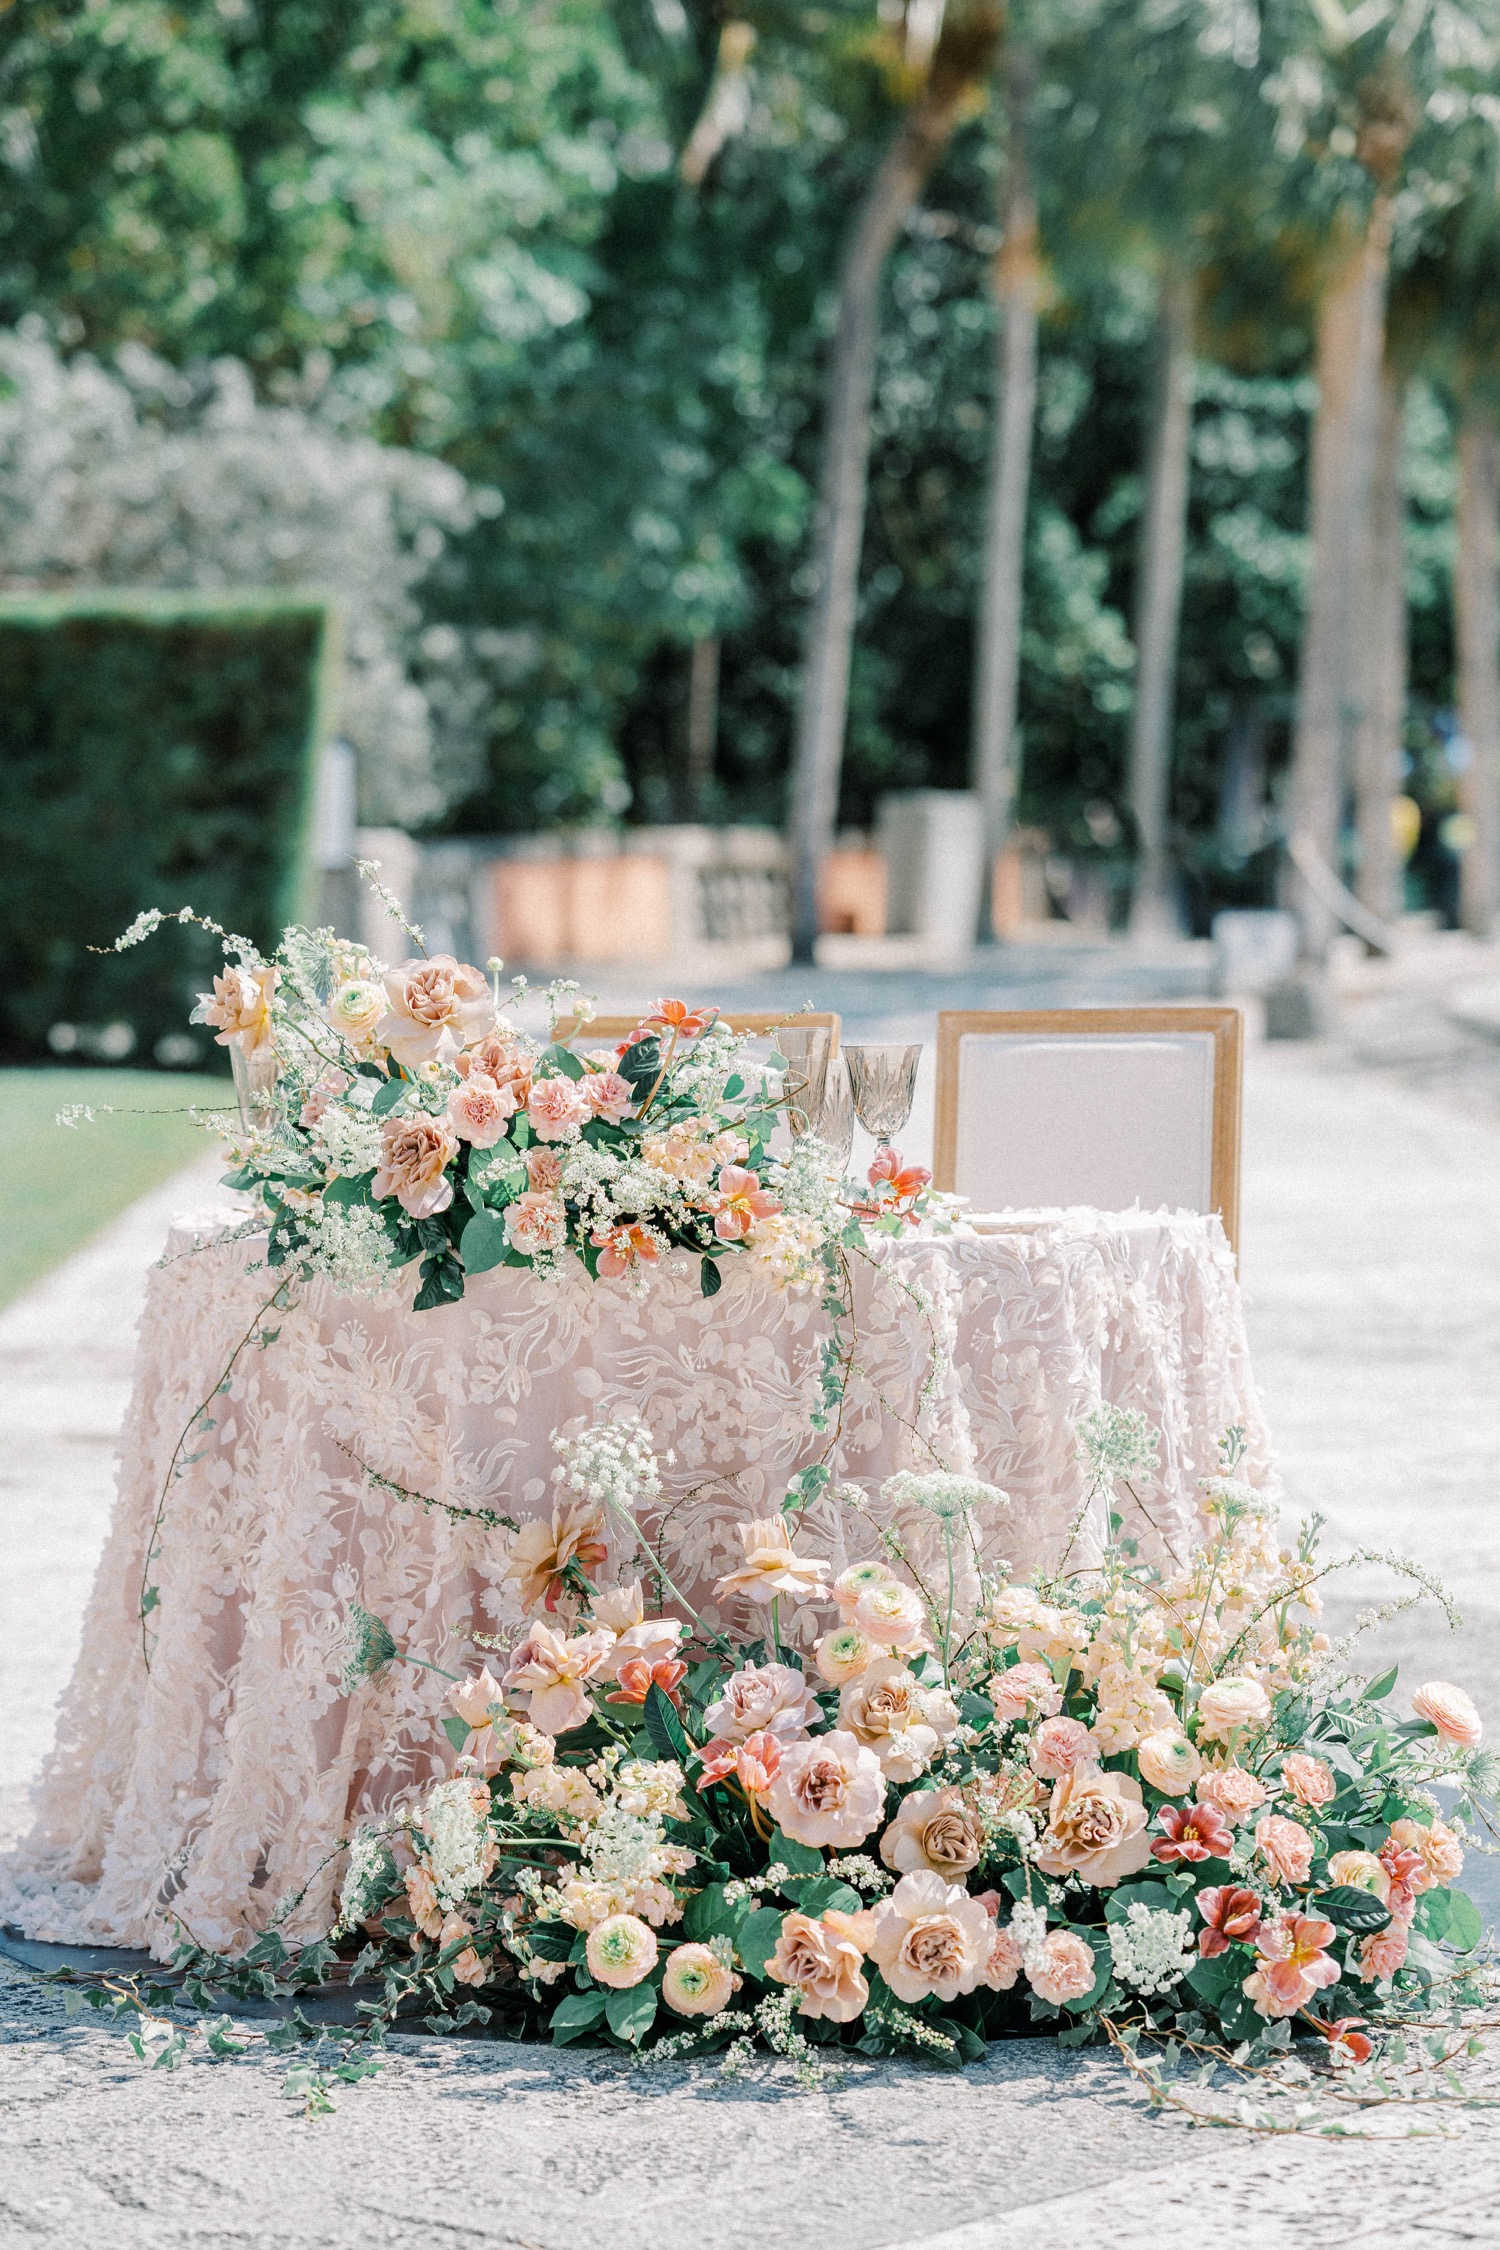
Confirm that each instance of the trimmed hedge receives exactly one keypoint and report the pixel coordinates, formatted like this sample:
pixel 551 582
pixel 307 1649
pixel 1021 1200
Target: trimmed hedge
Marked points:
pixel 155 750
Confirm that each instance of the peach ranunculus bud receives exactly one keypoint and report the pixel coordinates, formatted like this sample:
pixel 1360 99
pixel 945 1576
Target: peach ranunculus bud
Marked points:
pixel 696 1982
pixel 856 1581
pixel 1060 1744
pixel 1450 1710
pixel 1168 1762
pixel 830 1790
pixel 240 1006
pixel 770 1567
pixel 1360 1871
pixel 621 1951
pixel 355 1009
pixel 1310 1780
pixel 843 1654
pixel 1024 1689
pixel 1236 1793
pixel 434 1009
pixel 479 1110
pixel 931 1938
pixel 824 1966
pixel 1285 1846
pixel 1232 1707
pixel 414 1159
pixel 1062 1968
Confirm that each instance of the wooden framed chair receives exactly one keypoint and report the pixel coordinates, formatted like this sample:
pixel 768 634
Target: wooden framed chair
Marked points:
pixel 604 1031
pixel 1105 1106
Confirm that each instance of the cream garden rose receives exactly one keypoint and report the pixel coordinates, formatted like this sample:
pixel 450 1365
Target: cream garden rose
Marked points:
pixel 934 1829
pixel 824 1965
pixel 763 1699
pixel 888 1709
pixel 829 1790
pixel 1097 1828
pixel 930 1939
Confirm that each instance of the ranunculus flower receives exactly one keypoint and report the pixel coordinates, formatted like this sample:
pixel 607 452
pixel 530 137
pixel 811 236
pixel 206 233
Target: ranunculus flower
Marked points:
pixel 1058 1745
pixel 1294 1964
pixel 355 1010
pixel 479 1110
pixel 1447 1708
pixel 414 1156
pixel 1192 1833
pixel 857 1580
pixel 1024 1688
pixel 1236 1793
pixel 934 1829
pixel 774 1698
pixel 606 1094
pixel 1442 1853
pixel 1285 1846
pixel 843 1654
pixel 830 1790
pixel 888 1709
pixel 1310 1780
pixel 1231 1915
pixel 555 1673
pixel 1062 1969
pixel 770 1567
pixel 536 1223
pixel 696 1982
pixel 1169 1762
pixel 573 1536
pixel 823 1964
pixel 1097 1829
pixel 930 1937
pixel 433 1009
pixel 738 1202
pixel 1232 1707
pixel 1382 1954
pixel 621 1951
pixel 556 1109
pixel 1361 1871
pixel 891 1614
pixel 240 1005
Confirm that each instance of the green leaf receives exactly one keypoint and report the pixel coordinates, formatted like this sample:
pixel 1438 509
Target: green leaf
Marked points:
pixel 1212 1979
pixel 632 2013
pixel 1155 1895
pixel 799 1859
pixel 758 1938
pixel 579 2013
pixel 711 1914
pixel 563 1060
pixel 552 1941
pixel 1351 1908
pixel 484 1242
pixel 1103 1970
pixel 1379 1689
pixel 968 2042
pixel 388 1096
pixel 664 1726
pixel 815 1893
pixel 456 1730
pixel 710 1280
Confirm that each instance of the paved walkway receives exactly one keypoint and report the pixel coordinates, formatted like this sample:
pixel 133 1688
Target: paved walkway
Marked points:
pixel 1372 1270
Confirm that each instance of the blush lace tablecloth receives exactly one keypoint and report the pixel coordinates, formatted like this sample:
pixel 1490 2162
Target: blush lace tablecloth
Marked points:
pixel 202 1795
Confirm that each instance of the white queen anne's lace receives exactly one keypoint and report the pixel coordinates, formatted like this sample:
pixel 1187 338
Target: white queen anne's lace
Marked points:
pixel 1152 1949
pixel 455 1830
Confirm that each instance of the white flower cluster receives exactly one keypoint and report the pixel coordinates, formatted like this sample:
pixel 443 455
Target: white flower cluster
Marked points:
pixel 370 1868
pixel 947 1497
pixel 803 1182
pixel 349 1246
pixel 624 1847
pixel 610 1462
pixel 1117 1441
pixel 1152 1950
pixel 1028 1926
pixel 861 1872
pixel 348 1140
pixel 455 1831
pixel 704 1072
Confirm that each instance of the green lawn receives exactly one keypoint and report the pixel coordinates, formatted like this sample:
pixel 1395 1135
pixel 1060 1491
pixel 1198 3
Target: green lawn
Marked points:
pixel 59 1187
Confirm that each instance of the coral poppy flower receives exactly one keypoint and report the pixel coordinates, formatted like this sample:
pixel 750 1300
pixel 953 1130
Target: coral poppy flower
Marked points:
pixel 903 1180
pixel 1346 2042
pixel 620 1248
pixel 1232 1916
pixel 676 1016
pixel 754 1763
pixel 1192 1832
pixel 637 1678
pixel 739 1202
pixel 1404 1868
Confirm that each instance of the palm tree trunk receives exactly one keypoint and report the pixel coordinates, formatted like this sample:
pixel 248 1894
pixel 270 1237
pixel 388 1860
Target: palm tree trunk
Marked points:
pixel 1381 654
pixel 962 57
pixel 1017 281
pixel 1158 605
pixel 1476 591
pixel 1351 334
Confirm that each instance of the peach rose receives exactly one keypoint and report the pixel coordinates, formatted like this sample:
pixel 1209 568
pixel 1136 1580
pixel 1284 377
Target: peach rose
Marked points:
pixel 843 1654
pixel 696 1982
pixel 770 1567
pixel 1310 1780
pixel 888 1709
pixel 823 1964
pixel 1285 1846
pixel 240 1005
pixel 830 1790
pixel 479 1110
pixel 555 1673
pixel 1234 1792
pixel 930 1937
pixel 1025 1688
pixel 1361 1871
pixel 433 1009
pixel 414 1156
pixel 1442 1853
pixel 1097 1828
pixel 1062 1968
pixel 606 1094
pixel 933 1829
pixel 536 1223
pixel 1059 1745
pixel 621 1951
pixel 764 1698
pixel 1232 1707
pixel 1382 1954
pixel 1169 1762
pixel 543 1549
pixel 557 1109
pixel 1447 1708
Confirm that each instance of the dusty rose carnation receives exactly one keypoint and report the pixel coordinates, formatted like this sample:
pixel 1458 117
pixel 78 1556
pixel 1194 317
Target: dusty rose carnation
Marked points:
pixel 1286 1848
pixel 536 1223
pixel 1382 1954
pixel 556 1109
pixel 1236 1793
pixel 1310 1780
pixel 823 1964
pixel 1097 1829
pixel 934 1829
pixel 1169 1762
pixel 1005 1963
pixel 1059 1745
pixel 1025 1688
pixel 606 1094
pixel 1442 1853
pixel 433 1009
pixel 829 1791
pixel 930 1937
pixel 1062 1969
pixel 770 1698
pixel 1450 1710
pixel 1231 1707
pixel 415 1153
pixel 479 1110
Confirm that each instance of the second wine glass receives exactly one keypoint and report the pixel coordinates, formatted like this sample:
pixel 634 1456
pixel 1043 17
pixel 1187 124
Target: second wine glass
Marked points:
pixel 883 1083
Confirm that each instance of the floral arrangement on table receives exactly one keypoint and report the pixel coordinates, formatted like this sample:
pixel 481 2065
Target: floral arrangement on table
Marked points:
pixel 397 1114
pixel 1136 1801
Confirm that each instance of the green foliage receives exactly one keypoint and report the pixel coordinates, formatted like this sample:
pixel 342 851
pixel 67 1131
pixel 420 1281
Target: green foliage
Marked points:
pixel 157 753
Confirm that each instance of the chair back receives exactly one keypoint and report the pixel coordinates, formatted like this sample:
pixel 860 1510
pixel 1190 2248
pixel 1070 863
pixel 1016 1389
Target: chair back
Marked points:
pixel 1104 1106
pixel 607 1031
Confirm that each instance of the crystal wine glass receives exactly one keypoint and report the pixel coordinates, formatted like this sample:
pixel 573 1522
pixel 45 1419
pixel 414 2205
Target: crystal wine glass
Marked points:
pixel 883 1083
pixel 835 1124
pixel 806 1047
pixel 255 1074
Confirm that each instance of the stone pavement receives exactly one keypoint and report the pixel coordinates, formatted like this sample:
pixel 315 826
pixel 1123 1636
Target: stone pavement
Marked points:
pixel 1372 1271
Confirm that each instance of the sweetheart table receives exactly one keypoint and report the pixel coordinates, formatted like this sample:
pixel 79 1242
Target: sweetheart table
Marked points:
pixel 204 1792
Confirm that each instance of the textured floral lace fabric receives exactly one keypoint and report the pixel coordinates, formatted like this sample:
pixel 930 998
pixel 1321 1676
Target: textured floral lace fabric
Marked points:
pixel 205 1794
